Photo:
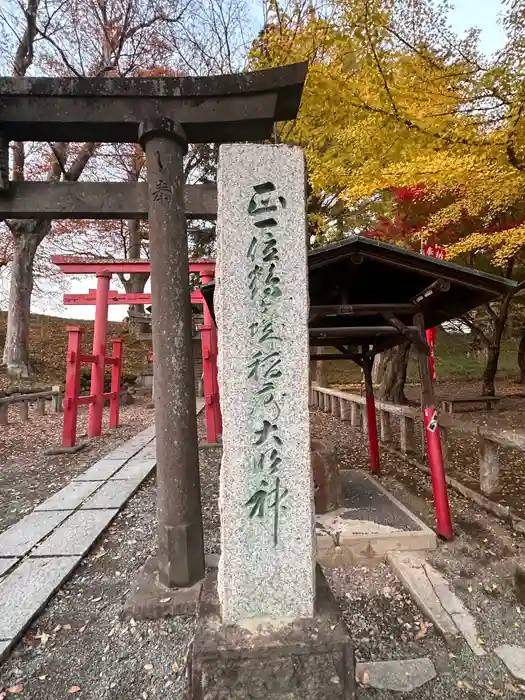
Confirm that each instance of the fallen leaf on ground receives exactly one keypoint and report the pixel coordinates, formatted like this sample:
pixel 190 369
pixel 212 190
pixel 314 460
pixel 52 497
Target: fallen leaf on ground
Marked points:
pixel 67 627
pixel 364 677
pixel 81 629
pixel 175 667
pixel 15 689
pixel 42 678
pixel 165 600
pixel 44 638
pixel 74 689
pixel 423 629
pixel 100 553
pixel 148 667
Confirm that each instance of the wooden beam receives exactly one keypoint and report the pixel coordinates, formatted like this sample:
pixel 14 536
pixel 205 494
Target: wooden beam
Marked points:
pixel 412 335
pixel 95 200
pixel 439 286
pixel 361 309
pixel 364 332
pixel 78 265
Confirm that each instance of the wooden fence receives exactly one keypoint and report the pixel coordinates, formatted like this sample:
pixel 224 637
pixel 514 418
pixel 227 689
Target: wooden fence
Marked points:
pixel 352 408
pixel 55 395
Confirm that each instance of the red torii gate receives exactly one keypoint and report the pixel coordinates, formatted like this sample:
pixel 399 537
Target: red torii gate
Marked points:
pixel 102 297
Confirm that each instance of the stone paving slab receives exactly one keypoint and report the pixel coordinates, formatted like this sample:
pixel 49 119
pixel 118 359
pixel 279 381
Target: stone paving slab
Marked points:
pixel 25 591
pixel 17 540
pixel 125 452
pixel 400 676
pixel 433 595
pixel 70 497
pixel 136 469
pixel 76 536
pixel 101 470
pixel 5 645
pixel 514 659
pixel 112 495
pixel 6 564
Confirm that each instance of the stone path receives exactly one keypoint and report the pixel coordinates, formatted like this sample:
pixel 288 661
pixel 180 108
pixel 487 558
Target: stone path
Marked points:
pixel 40 551
pixel 434 597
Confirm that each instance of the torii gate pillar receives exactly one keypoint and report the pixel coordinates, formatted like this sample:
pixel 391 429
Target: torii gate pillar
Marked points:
pixel 209 361
pixel 180 547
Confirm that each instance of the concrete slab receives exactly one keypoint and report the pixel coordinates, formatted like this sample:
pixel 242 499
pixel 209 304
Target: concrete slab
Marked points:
pixel 17 540
pixel 151 600
pixel 148 452
pixel 371 523
pixel 400 676
pixel 25 591
pixel 113 494
pixel 431 592
pixel 5 645
pixel 101 470
pixel 124 452
pixel 6 564
pixel 76 536
pixel 514 659
pixel 70 497
pixel 136 469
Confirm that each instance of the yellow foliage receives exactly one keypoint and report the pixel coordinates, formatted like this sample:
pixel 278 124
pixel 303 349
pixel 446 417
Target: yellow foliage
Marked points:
pixel 381 110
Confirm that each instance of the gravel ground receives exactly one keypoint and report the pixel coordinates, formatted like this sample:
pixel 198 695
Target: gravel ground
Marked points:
pixel 81 640
pixel 81 646
pixel 28 476
pixel 479 564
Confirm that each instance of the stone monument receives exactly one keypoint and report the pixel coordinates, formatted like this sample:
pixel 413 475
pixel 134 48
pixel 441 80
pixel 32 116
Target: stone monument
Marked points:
pixel 268 625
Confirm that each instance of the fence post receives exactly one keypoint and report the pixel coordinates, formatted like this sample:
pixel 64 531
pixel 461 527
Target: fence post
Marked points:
pixel 343 405
pixel 488 466
pixel 24 410
pixel 72 388
pixel 41 407
pixel 116 370
pixel 96 407
pixel 407 432
pixel 335 406
pixel 4 416
pixel 385 426
pixel 56 399
pixel 354 415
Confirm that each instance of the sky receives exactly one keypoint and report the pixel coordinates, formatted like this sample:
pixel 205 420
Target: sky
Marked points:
pixel 465 14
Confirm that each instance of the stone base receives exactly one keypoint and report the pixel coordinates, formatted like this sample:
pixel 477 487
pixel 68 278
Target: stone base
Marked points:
pixel 151 600
pixel 305 660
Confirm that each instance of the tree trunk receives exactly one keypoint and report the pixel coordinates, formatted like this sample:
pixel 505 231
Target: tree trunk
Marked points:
pixel 491 366
pixel 16 348
pixel 521 356
pixel 392 387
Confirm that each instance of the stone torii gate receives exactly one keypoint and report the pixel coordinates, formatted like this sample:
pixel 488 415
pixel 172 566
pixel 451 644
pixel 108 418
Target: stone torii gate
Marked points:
pixel 230 108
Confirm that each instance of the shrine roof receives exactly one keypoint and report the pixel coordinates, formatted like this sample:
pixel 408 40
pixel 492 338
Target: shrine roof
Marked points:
pixel 363 271
pixel 221 108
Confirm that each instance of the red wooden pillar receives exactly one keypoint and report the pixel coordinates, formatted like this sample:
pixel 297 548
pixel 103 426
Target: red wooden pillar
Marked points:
pixel 373 442
pixel 96 407
pixel 72 388
pixel 209 367
pixel 116 370
pixel 433 440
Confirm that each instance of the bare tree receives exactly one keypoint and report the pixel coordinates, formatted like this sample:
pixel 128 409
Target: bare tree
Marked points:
pixel 73 38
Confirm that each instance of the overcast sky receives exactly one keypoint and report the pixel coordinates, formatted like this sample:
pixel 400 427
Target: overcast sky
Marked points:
pixel 466 13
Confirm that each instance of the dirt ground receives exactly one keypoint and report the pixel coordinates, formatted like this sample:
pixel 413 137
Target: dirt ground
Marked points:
pixel 28 476
pixel 479 564
pixel 81 646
